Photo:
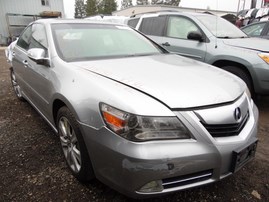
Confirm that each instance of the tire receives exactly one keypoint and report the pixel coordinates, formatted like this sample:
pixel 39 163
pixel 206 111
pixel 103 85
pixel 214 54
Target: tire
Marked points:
pixel 16 87
pixel 243 75
pixel 73 146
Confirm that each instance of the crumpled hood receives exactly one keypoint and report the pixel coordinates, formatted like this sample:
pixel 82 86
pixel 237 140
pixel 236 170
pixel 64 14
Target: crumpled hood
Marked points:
pixel 176 81
pixel 249 43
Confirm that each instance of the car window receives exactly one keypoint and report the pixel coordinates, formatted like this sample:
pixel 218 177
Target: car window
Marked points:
pixel 220 27
pixel 39 39
pixel 267 33
pixel 75 42
pixel 180 27
pixel 25 38
pixel 34 36
pixel 254 30
pixel 133 22
pixel 153 26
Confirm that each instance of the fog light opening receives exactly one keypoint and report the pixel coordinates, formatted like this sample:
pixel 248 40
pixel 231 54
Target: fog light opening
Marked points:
pixel 153 186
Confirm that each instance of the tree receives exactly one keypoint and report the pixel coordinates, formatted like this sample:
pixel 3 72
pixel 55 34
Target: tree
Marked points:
pixel 172 2
pixel 154 2
pixel 166 2
pixel 91 7
pixel 80 9
pixel 142 2
pixel 107 6
pixel 126 3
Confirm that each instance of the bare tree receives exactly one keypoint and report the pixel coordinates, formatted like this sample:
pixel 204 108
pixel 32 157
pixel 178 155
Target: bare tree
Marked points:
pixel 142 2
pixel 80 9
pixel 126 3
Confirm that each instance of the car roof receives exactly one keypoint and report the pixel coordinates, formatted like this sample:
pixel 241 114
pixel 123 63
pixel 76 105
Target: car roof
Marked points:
pixel 170 13
pixel 77 21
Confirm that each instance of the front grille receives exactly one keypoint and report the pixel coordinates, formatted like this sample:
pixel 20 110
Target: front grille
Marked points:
pixel 226 130
pixel 186 179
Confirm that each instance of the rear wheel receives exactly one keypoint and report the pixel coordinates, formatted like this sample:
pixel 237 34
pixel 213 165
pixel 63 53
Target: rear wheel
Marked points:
pixel 15 85
pixel 73 146
pixel 243 75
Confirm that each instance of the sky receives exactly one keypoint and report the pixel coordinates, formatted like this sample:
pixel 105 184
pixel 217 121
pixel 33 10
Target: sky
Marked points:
pixel 224 5
pixel 69 7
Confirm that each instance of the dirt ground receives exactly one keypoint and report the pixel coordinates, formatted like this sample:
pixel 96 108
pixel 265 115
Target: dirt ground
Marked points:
pixel 32 167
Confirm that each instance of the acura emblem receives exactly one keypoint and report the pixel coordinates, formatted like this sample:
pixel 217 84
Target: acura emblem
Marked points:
pixel 237 114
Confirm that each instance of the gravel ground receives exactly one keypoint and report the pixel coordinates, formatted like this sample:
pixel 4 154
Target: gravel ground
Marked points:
pixel 33 168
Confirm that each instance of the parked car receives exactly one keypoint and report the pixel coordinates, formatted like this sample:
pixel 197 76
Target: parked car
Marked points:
pixel 109 18
pixel 258 29
pixel 141 120
pixel 210 39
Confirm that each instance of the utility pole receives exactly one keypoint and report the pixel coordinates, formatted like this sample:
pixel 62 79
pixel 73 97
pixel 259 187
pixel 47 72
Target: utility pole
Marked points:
pixel 238 6
pixel 253 3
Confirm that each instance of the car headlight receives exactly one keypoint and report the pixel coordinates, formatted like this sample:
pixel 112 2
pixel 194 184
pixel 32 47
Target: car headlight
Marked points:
pixel 143 128
pixel 264 57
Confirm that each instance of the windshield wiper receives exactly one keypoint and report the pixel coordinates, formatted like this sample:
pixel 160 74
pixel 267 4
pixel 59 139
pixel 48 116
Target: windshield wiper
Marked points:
pixel 236 37
pixel 140 54
pixel 224 37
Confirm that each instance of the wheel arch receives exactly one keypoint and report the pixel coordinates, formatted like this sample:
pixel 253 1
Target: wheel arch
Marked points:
pixel 223 63
pixel 59 102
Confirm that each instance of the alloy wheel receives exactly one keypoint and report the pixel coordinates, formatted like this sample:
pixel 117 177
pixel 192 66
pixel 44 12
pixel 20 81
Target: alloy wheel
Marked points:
pixel 70 144
pixel 15 85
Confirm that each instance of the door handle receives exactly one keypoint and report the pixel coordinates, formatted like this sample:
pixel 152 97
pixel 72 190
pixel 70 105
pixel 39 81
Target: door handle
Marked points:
pixel 25 63
pixel 166 44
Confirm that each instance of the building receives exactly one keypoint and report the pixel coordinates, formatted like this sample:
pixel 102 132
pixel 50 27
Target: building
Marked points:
pixel 16 14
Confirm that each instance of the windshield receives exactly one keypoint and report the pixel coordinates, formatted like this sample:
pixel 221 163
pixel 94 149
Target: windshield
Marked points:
pixel 77 42
pixel 220 27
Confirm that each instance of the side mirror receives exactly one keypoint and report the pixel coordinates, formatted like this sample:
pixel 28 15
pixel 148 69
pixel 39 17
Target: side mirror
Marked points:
pixel 197 36
pixel 38 55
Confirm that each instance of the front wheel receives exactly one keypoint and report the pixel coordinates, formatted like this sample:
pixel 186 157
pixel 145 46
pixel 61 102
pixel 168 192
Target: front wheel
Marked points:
pixel 16 87
pixel 243 75
pixel 73 146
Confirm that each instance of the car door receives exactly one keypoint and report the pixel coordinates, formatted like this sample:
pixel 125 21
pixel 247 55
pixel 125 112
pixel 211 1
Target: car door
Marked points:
pixel 36 77
pixel 20 58
pixel 39 76
pixel 176 38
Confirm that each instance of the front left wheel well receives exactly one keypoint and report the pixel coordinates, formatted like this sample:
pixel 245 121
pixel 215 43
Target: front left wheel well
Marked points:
pixel 224 63
pixel 239 70
pixel 57 104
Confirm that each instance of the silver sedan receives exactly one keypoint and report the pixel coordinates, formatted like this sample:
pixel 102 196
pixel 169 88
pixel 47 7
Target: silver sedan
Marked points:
pixel 141 120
